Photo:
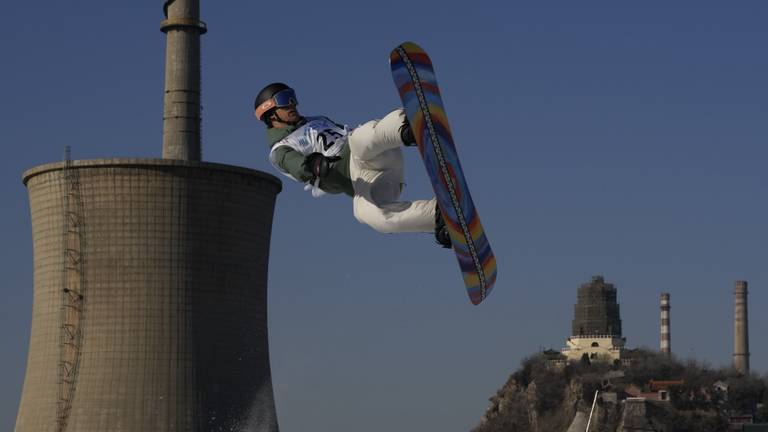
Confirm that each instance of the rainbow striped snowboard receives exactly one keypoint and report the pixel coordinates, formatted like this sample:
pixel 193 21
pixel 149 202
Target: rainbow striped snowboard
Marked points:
pixel 416 82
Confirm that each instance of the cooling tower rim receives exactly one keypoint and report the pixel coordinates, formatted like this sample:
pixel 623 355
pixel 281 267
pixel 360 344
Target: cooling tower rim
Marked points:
pixel 150 163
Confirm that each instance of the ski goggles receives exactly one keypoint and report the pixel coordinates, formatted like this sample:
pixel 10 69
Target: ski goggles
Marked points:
pixel 282 98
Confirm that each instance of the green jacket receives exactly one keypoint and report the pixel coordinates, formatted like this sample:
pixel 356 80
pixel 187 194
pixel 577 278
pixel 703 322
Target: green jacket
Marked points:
pixel 290 161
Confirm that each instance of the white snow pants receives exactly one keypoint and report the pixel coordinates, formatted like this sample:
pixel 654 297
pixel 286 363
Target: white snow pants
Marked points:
pixel 376 170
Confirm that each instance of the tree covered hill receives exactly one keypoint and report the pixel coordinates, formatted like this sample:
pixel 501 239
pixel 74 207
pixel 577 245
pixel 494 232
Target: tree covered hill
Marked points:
pixel 653 393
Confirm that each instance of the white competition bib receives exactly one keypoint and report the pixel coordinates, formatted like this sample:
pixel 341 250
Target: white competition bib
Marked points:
pixel 317 135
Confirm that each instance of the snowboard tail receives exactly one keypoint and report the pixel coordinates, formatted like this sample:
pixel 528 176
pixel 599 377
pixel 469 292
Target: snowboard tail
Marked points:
pixel 415 79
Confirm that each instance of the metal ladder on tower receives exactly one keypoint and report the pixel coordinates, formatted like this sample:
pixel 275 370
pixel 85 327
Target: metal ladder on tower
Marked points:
pixel 72 293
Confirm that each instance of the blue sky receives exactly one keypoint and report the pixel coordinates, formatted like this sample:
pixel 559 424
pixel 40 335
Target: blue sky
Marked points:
pixel 609 138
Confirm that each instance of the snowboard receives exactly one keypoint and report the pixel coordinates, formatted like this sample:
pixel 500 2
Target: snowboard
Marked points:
pixel 415 79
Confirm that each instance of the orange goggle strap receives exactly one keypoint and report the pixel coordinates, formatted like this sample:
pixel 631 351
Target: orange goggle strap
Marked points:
pixel 264 107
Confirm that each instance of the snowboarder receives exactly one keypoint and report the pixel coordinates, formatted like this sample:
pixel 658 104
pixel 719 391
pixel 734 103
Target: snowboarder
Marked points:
pixel 365 163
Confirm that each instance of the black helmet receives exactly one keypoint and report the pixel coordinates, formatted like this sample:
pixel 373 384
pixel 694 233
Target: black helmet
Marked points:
pixel 265 95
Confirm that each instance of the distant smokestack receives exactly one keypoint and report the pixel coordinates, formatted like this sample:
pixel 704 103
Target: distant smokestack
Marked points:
pixel 741 329
pixel 666 336
pixel 181 104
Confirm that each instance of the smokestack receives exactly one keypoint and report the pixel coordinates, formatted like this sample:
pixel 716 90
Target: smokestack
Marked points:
pixel 666 336
pixel 741 329
pixel 181 104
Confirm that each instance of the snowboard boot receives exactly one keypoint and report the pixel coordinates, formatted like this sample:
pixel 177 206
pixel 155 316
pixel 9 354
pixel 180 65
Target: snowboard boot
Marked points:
pixel 441 231
pixel 406 134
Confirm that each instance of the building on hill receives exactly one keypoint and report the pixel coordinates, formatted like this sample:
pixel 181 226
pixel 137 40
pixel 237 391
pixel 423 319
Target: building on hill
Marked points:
pixel 596 325
pixel 656 385
pixel 554 359
pixel 633 391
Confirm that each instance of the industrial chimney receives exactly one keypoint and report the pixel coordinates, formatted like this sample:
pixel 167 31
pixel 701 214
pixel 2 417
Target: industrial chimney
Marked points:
pixel 741 329
pixel 666 337
pixel 150 281
pixel 181 104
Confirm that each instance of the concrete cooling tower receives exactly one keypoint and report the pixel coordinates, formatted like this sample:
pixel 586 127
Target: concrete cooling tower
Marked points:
pixel 150 298
pixel 150 281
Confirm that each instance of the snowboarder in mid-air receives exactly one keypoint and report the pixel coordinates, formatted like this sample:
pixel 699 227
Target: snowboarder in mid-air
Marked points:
pixel 365 163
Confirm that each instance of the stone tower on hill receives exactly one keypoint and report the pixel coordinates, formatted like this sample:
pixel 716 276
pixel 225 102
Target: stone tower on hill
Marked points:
pixel 596 310
pixel 596 325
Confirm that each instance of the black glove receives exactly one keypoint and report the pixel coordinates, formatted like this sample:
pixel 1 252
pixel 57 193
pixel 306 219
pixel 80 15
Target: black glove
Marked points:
pixel 318 165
